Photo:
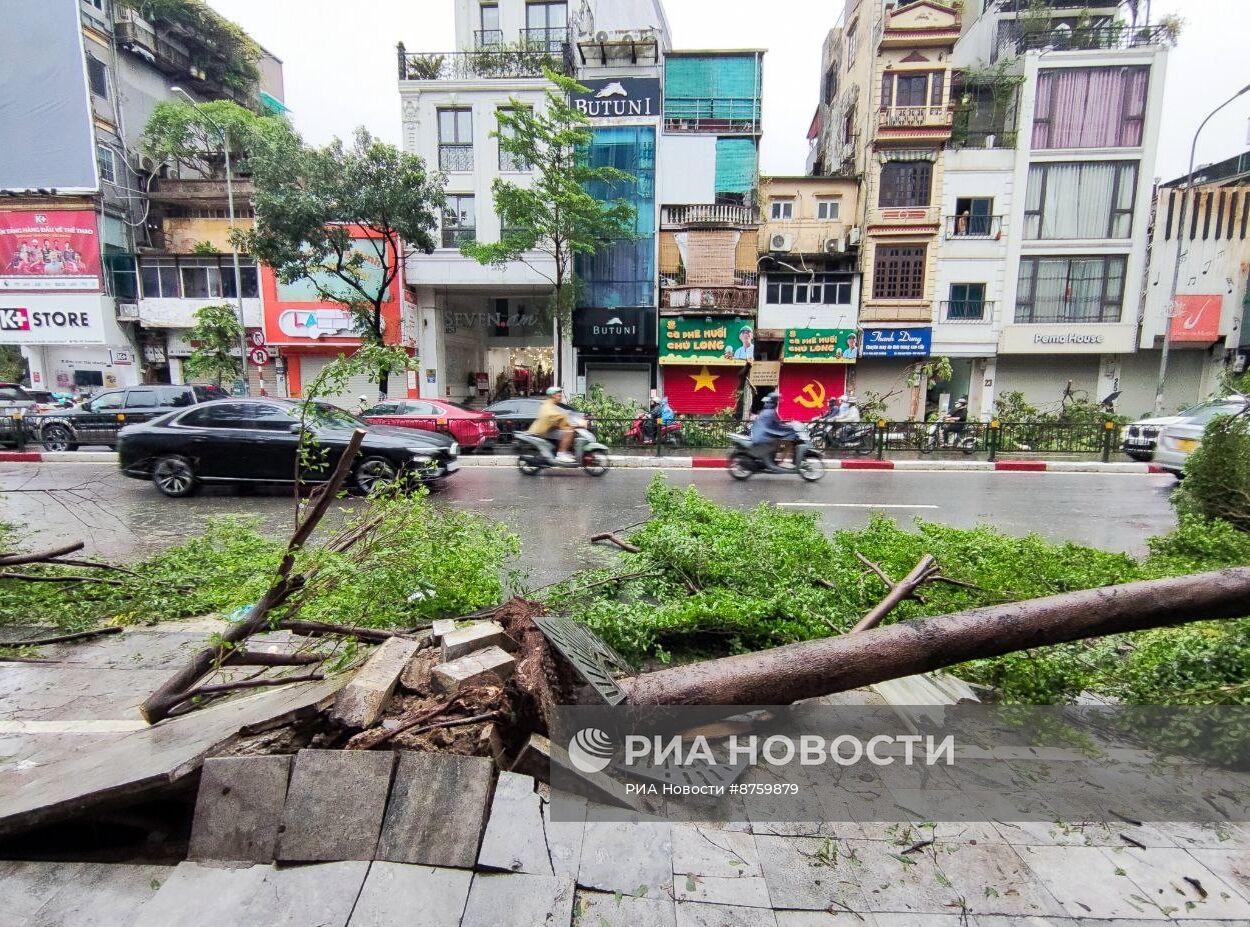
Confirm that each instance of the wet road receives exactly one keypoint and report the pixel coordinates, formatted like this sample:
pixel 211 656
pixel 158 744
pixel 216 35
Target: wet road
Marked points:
pixel 554 513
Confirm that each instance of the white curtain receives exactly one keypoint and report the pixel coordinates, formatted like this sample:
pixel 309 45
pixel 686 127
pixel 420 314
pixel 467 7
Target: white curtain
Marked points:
pixel 1076 200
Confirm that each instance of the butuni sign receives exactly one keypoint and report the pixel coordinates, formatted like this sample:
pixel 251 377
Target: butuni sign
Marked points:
pixel 619 98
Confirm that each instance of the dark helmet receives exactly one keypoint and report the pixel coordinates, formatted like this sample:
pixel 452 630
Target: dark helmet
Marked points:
pixel 771 400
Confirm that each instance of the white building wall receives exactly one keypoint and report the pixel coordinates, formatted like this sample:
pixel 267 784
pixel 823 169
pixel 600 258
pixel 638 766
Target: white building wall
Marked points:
pixel 685 170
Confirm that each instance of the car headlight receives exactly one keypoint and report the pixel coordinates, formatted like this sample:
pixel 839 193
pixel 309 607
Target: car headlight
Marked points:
pixel 419 455
pixel 455 449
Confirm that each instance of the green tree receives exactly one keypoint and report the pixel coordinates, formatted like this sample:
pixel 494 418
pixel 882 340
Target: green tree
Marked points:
pixel 180 134
pixel 339 218
pixel 216 334
pixel 12 365
pixel 553 215
pixel 1217 473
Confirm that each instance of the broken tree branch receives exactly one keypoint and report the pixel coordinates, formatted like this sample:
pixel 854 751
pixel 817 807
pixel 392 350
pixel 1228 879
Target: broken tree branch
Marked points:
pixel 63 638
pixel 325 629
pixel 900 591
pixel 367 740
pixel 261 658
pixel 619 542
pixel 39 578
pixel 835 664
pixel 8 560
pixel 261 683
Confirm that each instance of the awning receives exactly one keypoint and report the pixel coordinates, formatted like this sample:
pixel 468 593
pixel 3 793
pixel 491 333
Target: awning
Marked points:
pixel 907 154
pixel 273 104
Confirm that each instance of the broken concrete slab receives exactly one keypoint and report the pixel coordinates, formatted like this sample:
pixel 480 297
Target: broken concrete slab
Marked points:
pixel 239 808
pixel 441 628
pixel 739 891
pixel 623 856
pixel 708 851
pixel 608 909
pixel 101 896
pixel 719 915
pixel 518 900
pixel 475 637
pixel 564 837
pixel 488 665
pixel 395 893
pixel 437 810
pixel 360 703
pixel 994 880
pixel 334 805
pixel 809 873
pixel 199 895
pixel 515 838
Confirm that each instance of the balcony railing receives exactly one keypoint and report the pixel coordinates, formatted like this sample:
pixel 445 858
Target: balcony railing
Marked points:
pixel 748 278
pixel 1073 310
pixel 735 299
pixel 487 38
pixel 967 310
pixel 497 63
pixel 974 227
pixel 911 117
pixel 454 238
pixel 455 157
pixel 728 115
pixel 1113 36
pixel 709 214
pixel 550 39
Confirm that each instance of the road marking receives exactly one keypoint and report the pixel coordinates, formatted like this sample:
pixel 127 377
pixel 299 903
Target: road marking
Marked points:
pixel 849 505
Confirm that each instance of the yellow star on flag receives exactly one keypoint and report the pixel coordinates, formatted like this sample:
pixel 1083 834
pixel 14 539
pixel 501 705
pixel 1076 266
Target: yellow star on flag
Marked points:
pixel 704 380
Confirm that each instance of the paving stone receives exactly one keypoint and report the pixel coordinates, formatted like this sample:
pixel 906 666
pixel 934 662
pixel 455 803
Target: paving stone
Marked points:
pixel 441 628
pixel 705 851
pixel 809 873
pixel 101 894
pixel 437 810
pixel 690 914
pixel 239 808
pixel 300 896
pixel 890 881
pixel 1084 881
pixel 564 837
pixel 624 856
pixel 741 891
pixel 515 838
pixel 360 703
pixel 197 895
pixel 334 805
pixel 488 665
pixel 475 637
pixel 994 880
pixel 603 909
pixel 396 894
pixel 995 920
pixel 1233 866
pixel 518 899
pixel 1160 872
pixel 28 886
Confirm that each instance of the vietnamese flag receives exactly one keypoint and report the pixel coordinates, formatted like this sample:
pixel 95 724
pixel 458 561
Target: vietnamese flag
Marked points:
pixel 807 390
pixel 701 389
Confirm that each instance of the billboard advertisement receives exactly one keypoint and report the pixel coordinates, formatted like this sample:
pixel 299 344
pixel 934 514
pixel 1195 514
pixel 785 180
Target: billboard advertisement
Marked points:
pixel 45 110
pixel 49 250
pixel 75 320
pixel 1197 318
pixel 707 340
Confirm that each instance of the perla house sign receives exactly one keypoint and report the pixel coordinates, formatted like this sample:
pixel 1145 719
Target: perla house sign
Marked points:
pixel 619 98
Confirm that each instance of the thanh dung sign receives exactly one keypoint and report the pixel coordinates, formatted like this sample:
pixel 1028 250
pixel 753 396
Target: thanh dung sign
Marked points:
pixel 619 98
pixel 897 342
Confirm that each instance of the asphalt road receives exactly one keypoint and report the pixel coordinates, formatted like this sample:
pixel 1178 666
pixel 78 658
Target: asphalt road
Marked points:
pixel 125 519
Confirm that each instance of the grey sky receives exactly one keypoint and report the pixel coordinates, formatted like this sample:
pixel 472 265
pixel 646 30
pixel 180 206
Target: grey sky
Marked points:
pixel 341 72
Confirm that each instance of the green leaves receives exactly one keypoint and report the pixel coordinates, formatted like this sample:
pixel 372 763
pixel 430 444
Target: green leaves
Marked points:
pixel 188 136
pixel 216 332
pixel 1217 473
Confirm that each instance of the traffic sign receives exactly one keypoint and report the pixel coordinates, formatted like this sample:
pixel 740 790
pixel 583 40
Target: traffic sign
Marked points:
pixel 259 356
pixel 257 337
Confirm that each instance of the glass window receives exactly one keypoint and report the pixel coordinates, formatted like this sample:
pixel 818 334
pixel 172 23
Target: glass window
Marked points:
pixel 898 273
pixel 98 77
pixel 827 289
pixel 1080 200
pixel 201 278
pixel 176 397
pixel 107 162
pixel 546 25
pixel 459 220
pixel 1090 107
pixel 490 33
pixel 852 41
pixel 973 217
pixel 1061 289
pixel 967 301
pixel 905 183
pixel 420 408
pixel 1208 414
pixel 455 139
pixel 911 90
pixel 13 393
pixel 106 401
pixel 247 276
pixel 781 209
pixel 507 160
pixel 159 278
pixel 273 418
pixel 208 393
pixel 141 399
pixel 829 209
pixel 123 275
pixel 223 415
pixel 382 408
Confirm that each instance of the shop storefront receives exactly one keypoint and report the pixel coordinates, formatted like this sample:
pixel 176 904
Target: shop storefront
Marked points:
pixel 888 356
pixel 491 346
pixel 814 364
pixel 704 362
pixel 616 351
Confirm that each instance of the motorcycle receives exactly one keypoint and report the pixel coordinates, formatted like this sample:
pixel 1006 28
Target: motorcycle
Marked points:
pixel 670 434
pixel 808 462
pixel 536 452
pixel 831 435
pixel 935 436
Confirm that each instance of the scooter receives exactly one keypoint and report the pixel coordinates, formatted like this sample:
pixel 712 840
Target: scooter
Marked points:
pixel 535 452
pixel 830 435
pixel 670 434
pixel 808 462
pixel 935 436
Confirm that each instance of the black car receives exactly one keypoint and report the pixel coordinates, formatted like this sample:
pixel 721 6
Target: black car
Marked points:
pixel 251 441
pixel 512 415
pixel 98 420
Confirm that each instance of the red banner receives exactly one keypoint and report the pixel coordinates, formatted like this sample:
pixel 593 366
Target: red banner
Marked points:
pixel 51 250
pixel 701 389
pixel 807 390
pixel 1197 318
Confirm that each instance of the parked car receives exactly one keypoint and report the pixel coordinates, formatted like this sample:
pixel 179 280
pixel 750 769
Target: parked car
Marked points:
pixel 16 403
pixel 252 441
pixel 512 415
pixel 472 429
pixel 1141 436
pixel 1179 440
pixel 98 419
pixel 46 400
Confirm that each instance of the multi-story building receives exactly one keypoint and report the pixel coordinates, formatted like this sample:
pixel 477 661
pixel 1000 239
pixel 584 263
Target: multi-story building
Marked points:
pixel 81 301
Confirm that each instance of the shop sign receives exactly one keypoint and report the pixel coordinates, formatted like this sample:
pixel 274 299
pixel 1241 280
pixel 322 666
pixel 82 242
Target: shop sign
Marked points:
pixel 28 325
pixel 53 250
pixel 820 346
pixel 1196 318
pixel 707 340
pixel 765 373
pixel 632 327
pixel 619 98
pixel 314 324
pixel 897 342
pixel 1093 338
pixel 122 358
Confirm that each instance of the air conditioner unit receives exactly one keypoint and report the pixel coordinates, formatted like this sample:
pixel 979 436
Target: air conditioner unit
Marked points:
pixel 854 237
pixel 146 164
pixel 602 36
pixel 129 311
pixel 833 246
pixel 780 242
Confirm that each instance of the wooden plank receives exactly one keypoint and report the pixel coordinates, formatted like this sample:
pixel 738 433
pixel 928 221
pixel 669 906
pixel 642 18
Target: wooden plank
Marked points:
pixel 398 894
pixel 239 808
pixel 515 839
pixel 437 810
pixel 334 805
pixel 361 701
pixel 518 900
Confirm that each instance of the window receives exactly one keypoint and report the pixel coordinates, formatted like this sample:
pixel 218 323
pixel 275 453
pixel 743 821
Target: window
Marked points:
pixel 247 277
pixel 141 399
pixel 490 34
pixel 905 183
pixel 825 289
pixel 910 89
pixel 967 302
pixel 848 127
pixel 1090 107
pixel 226 415
pixel 159 278
pixel 829 91
pixel 1081 200
pixel 507 160
pixel 122 273
pixel 108 163
pixel 459 221
pixel 546 25
pixel 201 278
pixel 106 402
pixel 781 209
pixel 274 418
pixel 973 217
pixel 829 209
pixel 1060 289
pixel 899 273
pixel 455 139
pixel 98 77
pixel 852 42
pixel 197 278
pixel 178 397
pixel 923 88
pixel 205 394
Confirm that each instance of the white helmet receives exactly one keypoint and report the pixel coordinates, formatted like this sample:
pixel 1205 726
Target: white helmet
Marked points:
pixel 554 390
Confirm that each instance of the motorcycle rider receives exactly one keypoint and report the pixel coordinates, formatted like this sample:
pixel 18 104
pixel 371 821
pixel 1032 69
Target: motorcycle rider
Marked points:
pixel 956 420
pixel 767 433
pixel 659 415
pixel 847 414
pixel 553 424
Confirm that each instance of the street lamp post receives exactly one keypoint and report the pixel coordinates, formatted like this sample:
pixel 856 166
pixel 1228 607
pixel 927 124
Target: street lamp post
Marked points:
pixel 1180 239
pixel 234 251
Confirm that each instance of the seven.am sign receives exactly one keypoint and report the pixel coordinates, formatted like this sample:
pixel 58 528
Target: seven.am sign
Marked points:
pixel 707 341
pixel 820 346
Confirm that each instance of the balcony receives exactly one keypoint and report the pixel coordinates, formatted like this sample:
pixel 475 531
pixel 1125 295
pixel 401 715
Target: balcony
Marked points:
pixel 676 299
pixel 138 37
pixel 551 39
pixel 896 310
pixel 968 311
pixel 908 122
pixel 455 157
pixel 825 237
pixel 179 192
pixel 902 28
pixel 487 63
pixel 1012 40
pixel 708 214
pixel 904 220
pixel 741 278
pixel 713 115
pixel 487 38
pixel 982 228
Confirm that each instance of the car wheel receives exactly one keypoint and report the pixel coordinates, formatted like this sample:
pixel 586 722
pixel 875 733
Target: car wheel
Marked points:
pixel 595 463
pixel 373 472
pixel 174 477
pixel 58 438
pixel 739 467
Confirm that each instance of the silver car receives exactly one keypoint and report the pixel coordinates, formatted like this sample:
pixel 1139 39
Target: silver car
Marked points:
pixel 1178 441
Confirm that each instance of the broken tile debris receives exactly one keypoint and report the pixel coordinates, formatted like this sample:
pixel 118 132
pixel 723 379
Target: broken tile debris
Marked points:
pixel 488 665
pixel 239 808
pixel 334 805
pixel 437 810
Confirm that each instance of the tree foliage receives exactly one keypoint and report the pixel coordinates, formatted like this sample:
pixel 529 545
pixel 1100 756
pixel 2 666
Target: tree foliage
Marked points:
pixel 216 336
pixel 187 136
pixel 216 45
pixel 1217 473
pixel 553 214
pixel 339 218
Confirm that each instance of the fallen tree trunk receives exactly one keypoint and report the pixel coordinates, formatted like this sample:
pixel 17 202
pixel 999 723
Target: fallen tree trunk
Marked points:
pixel 821 667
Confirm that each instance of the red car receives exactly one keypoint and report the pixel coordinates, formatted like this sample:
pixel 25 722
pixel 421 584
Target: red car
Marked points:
pixel 473 430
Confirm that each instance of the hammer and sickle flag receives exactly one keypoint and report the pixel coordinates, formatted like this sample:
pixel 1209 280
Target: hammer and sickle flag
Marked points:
pixel 808 389
pixel 812 395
